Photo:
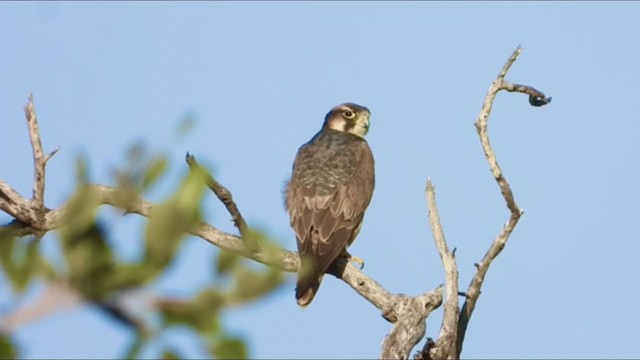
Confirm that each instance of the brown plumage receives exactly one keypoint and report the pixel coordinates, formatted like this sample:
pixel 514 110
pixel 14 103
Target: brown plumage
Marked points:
pixel 330 188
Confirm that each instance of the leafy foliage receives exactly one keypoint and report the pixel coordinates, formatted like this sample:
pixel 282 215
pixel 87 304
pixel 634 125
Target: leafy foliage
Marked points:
pixel 7 348
pixel 94 271
pixel 20 261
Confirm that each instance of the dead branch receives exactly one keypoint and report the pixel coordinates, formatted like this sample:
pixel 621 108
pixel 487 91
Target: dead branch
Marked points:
pixel 277 258
pixel 39 163
pixel 408 315
pixel 38 155
pixel 224 195
pixel 444 347
pixel 536 98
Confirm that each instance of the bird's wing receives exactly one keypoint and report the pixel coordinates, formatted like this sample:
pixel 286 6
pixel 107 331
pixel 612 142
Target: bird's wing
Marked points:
pixel 326 222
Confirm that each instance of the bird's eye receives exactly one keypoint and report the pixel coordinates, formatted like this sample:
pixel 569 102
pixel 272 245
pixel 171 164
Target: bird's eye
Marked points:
pixel 349 114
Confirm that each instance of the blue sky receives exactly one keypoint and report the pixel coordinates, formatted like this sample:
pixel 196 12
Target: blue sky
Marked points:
pixel 258 79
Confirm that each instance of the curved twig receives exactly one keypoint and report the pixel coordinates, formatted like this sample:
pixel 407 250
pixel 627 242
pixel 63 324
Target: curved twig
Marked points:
pixel 536 98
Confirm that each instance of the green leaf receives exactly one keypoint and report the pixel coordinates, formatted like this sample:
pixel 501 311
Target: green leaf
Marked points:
pixel 80 212
pixel 250 285
pixel 189 195
pixel 153 172
pixel 186 124
pixel 201 313
pixel 228 348
pixel 7 245
pixel 209 301
pixel 21 261
pixel 133 351
pixel 136 152
pixel 125 194
pixel 29 264
pixel 166 227
pixel 89 261
pixel 226 262
pixel 127 276
pixel 7 349
pixel 45 269
pixel 82 170
pixel 170 354
pixel 170 221
pixel 88 256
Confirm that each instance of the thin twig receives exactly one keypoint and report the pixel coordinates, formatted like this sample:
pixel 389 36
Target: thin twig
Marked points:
pixel 38 154
pixel 536 98
pixel 51 154
pixel 224 195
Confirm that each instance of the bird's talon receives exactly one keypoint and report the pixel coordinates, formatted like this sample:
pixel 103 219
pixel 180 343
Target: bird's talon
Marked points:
pixel 357 260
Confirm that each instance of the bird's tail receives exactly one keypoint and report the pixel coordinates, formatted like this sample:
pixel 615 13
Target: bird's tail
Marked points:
pixel 306 289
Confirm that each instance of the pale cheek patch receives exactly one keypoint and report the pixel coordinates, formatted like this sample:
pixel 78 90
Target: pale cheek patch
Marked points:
pixel 359 129
pixel 338 124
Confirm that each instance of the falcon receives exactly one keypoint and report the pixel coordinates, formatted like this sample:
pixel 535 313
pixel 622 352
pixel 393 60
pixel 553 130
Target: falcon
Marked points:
pixel 330 188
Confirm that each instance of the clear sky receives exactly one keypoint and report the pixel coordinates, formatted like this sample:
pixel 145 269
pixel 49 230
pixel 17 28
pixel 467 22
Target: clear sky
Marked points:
pixel 259 78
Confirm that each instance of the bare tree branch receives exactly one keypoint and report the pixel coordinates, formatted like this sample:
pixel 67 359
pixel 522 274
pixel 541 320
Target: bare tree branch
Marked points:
pixel 15 205
pixel 409 316
pixel 32 211
pixel 56 296
pixel 281 259
pixel 277 258
pixel 445 346
pixel 536 98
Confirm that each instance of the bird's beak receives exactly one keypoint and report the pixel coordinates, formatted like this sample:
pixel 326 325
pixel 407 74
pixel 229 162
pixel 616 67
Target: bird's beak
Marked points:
pixel 364 119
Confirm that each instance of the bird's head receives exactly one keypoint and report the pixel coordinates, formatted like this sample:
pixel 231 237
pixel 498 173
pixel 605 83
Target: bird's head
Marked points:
pixel 350 118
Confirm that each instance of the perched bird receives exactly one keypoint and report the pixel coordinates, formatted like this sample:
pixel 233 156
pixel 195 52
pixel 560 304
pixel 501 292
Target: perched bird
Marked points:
pixel 330 188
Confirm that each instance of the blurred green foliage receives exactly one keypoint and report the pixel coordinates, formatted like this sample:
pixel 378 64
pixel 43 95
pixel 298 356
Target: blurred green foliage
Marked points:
pixel 7 349
pixel 92 269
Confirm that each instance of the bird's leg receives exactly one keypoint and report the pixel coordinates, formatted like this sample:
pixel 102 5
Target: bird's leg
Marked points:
pixel 354 259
